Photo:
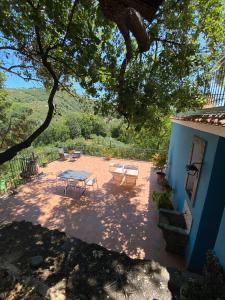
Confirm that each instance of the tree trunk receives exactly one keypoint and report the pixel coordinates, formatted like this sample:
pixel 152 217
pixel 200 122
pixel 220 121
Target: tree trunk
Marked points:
pixel 12 152
pixel 129 15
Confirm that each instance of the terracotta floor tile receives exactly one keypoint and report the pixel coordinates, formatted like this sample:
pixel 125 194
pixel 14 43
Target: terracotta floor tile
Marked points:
pixel 117 217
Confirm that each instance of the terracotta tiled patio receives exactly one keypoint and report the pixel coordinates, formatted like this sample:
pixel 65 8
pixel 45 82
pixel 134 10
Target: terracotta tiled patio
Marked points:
pixel 117 217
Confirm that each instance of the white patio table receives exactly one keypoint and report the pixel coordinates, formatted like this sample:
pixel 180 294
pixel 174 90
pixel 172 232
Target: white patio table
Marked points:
pixel 131 172
pixel 79 175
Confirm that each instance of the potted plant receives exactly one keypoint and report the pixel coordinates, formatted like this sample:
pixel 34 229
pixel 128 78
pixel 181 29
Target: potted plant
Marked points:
pixel 44 163
pixel 162 200
pixel 107 154
pixel 165 185
pixel 159 161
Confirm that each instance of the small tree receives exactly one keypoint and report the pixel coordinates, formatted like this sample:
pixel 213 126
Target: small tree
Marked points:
pixel 159 161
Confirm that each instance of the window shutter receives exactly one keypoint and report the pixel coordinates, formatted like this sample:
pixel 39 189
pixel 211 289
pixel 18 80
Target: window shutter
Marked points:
pixel 196 157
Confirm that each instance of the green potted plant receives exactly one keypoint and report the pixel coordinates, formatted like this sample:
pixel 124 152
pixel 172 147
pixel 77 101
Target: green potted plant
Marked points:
pixel 107 153
pixel 44 163
pixel 162 200
pixel 3 185
pixel 159 161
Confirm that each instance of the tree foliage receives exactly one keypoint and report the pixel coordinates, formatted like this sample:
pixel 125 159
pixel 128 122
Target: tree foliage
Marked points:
pixel 187 38
pixel 55 42
pixel 15 124
pixel 60 42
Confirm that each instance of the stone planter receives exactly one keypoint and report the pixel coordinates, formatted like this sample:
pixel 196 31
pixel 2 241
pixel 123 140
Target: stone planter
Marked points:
pixel 174 230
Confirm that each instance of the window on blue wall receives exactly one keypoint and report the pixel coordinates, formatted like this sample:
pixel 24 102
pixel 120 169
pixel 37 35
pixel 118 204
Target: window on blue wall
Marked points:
pixel 196 159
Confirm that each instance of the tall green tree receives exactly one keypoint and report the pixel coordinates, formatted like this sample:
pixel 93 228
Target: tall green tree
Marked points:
pixel 54 42
pixel 156 68
pixel 15 124
pixel 187 38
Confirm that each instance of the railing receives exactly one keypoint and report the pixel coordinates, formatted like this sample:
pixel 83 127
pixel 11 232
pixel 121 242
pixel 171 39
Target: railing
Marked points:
pixel 126 152
pixel 10 172
pixel 216 95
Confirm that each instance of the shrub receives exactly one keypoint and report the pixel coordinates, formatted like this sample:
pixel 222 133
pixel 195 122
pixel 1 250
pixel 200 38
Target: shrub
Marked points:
pixel 159 160
pixel 115 132
pixel 99 126
pixel 74 125
pixel 71 144
pixel 107 152
pixel 211 286
pixel 57 131
pixel 162 200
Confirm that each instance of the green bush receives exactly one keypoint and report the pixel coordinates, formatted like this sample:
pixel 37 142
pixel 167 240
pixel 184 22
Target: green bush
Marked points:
pixel 159 160
pixel 115 132
pixel 74 125
pixel 57 131
pixel 71 144
pixel 162 200
pixel 99 126
pixel 211 285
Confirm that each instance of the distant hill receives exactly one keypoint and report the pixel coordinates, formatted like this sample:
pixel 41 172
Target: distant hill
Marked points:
pixel 36 99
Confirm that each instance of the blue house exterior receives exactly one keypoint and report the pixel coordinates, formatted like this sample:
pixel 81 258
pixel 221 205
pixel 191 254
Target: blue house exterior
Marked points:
pixel 207 231
pixel 220 241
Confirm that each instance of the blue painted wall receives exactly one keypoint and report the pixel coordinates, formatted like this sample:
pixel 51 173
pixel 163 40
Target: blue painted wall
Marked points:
pixel 212 213
pixel 220 242
pixel 219 247
pixel 179 152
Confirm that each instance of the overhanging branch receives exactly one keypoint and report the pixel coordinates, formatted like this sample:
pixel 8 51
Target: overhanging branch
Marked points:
pixel 12 152
pixel 9 70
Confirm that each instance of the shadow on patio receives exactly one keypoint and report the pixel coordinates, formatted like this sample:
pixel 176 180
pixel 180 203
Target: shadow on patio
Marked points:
pixel 117 217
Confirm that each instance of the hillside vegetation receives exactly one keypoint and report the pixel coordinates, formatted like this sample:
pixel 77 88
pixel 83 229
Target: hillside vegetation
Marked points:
pixel 74 119
pixel 36 100
pixel 74 124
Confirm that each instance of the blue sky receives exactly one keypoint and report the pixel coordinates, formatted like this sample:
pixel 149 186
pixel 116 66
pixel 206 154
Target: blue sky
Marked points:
pixel 14 81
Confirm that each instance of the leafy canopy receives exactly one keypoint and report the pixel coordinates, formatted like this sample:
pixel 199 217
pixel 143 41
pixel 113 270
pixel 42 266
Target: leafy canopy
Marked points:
pixel 60 42
pixel 187 39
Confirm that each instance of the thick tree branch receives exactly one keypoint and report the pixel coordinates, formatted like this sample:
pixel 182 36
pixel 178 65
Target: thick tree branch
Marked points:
pixel 9 48
pixel 12 152
pixel 70 21
pixel 129 15
pixel 20 67
pixel 18 74
pixel 168 41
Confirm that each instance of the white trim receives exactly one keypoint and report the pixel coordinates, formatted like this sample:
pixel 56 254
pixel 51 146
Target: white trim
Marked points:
pixel 213 129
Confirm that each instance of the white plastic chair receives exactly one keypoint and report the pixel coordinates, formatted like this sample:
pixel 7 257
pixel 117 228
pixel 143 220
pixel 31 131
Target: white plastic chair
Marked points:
pixel 130 167
pixel 71 183
pixel 113 166
pixel 130 180
pixel 91 183
pixel 117 177
pixel 60 179
pixel 131 174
